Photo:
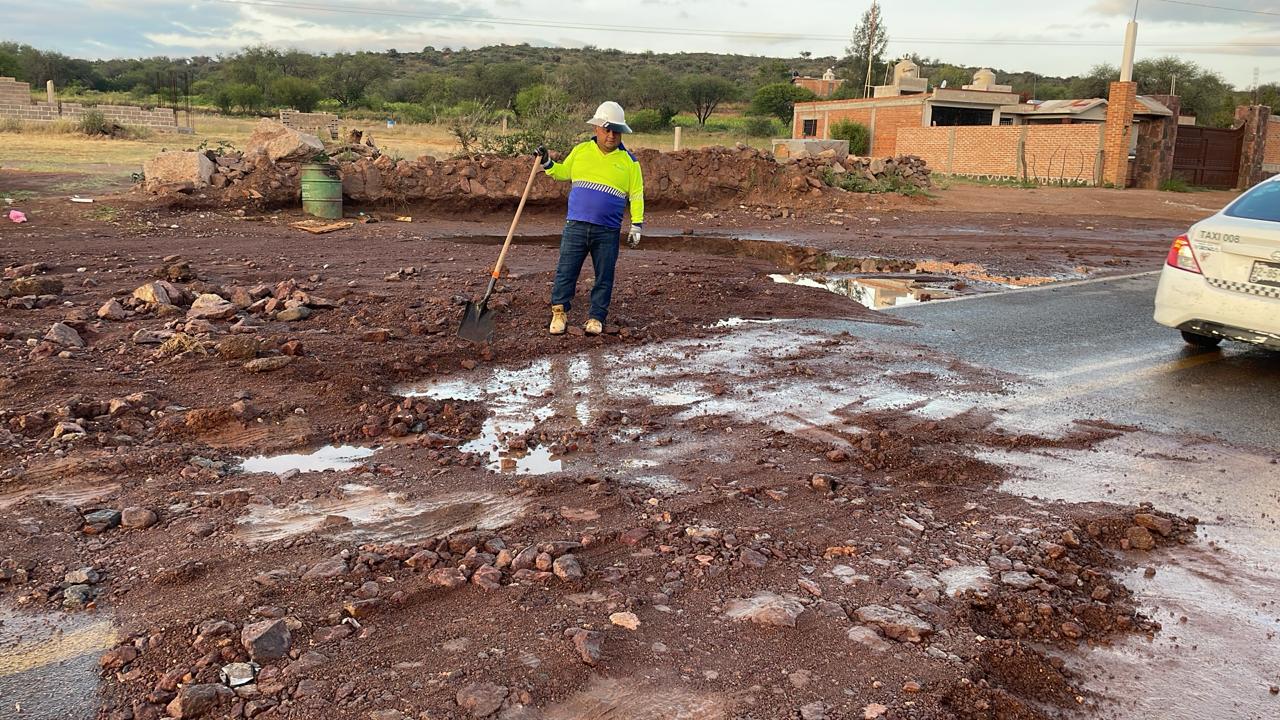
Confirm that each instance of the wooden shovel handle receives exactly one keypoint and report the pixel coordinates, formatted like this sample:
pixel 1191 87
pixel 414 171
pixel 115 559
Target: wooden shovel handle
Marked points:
pixel 537 163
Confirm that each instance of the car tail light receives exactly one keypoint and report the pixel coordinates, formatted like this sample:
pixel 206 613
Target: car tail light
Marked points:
pixel 1182 257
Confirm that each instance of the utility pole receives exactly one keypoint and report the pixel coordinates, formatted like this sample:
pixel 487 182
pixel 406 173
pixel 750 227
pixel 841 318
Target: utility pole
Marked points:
pixel 871 43
pixel 1130 44
pixel 1255 84
pixel 1173 85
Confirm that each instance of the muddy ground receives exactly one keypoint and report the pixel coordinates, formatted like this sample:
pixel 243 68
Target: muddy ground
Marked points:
pixel 694 515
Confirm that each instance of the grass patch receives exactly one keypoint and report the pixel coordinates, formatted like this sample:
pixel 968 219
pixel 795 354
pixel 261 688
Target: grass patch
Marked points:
pixel 105 213
pixel 17 196
pixel 1179 185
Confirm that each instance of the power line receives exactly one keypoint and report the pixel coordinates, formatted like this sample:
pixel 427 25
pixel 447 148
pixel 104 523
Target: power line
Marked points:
pixel 643 30
pixel 1224 8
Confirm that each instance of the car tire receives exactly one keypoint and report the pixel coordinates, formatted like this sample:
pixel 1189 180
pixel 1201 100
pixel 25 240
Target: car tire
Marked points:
pixel 1202 341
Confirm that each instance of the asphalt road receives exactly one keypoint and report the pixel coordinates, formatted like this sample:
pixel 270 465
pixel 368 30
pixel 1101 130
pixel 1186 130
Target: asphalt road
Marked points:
pixel 1091 348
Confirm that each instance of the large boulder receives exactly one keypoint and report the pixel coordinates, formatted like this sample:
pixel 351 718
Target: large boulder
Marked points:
pixel 185 170
pixel 280 143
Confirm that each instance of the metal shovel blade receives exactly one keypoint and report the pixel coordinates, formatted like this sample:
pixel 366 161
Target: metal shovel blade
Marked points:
pixel 477 323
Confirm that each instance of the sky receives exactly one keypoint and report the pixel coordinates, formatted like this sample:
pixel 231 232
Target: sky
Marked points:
pixel 1064 37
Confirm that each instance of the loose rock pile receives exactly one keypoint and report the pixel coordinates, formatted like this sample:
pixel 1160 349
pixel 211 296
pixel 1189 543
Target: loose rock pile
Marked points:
pixel 266 173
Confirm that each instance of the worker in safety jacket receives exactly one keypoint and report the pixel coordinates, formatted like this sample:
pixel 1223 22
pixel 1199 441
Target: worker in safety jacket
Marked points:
pixel 606 179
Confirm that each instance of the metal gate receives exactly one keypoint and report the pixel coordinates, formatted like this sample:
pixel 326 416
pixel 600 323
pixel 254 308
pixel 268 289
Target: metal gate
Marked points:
pixel 1208 157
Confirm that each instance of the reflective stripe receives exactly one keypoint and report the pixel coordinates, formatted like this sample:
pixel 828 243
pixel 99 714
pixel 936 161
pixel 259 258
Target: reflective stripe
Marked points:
pixel 599 186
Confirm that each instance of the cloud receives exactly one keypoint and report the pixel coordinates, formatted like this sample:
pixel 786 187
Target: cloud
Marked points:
pixel 1158 11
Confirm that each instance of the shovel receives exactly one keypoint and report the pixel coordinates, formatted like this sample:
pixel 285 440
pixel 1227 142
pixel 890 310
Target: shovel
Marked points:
pixel 477 321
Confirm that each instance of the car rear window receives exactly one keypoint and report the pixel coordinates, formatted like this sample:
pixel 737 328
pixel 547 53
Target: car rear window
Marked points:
pixel 1260 203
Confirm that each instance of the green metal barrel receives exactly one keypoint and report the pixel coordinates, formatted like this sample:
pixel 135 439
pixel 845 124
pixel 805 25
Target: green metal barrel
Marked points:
pixel 321 190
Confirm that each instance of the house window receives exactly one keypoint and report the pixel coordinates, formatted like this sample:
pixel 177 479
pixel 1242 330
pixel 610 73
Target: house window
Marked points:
pixel 810 128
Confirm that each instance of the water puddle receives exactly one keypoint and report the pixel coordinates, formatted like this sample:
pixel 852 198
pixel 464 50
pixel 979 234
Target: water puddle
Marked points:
pixel 639 699
pixel 735 322
pixel 49 663
pixel 794 257
pixel 958 580
pixel 876 293
pixel 513 398
pixel 758 373
pixel 330 457
pixel 363 512
pixel 72 495
pixel 1217 654
pixel 660 484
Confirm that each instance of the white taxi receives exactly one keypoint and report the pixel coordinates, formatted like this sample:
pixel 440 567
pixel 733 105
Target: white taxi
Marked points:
pixel 1222 279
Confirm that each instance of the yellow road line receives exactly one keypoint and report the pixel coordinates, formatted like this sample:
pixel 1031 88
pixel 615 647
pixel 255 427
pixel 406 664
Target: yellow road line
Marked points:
pixel 31 655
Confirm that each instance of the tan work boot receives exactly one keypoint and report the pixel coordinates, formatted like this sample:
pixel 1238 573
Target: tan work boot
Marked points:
pixel 593 327
pixel 558 320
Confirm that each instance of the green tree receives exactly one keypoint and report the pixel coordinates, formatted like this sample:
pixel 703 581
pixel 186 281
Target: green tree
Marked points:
pixel 655 89
pixel 870 34
pixel 246 97
pixel 1095 83
pixel 706 92
pixel 587 83
pixel 497 83
pixel 540 101
pixel 771 72
pixel 779 99
pixel 301 95
pixel 9 65
pixel 1203 93
pixel 350 75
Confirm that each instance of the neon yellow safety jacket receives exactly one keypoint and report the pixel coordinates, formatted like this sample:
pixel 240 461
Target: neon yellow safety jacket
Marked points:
pixel 602 184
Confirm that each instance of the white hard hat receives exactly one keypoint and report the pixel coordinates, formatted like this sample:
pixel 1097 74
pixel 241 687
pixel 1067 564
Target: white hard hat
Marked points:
pixel 610 117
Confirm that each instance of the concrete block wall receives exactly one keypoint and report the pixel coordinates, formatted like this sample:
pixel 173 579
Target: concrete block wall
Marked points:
pixel 317 123
pixel 16 103
pixel 13 92
pixel 1051 153
pixel 156 118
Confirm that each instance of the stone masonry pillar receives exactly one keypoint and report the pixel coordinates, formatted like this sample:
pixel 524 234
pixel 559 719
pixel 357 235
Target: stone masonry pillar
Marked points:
pixel 52 94
pixel 1253 120
pixel 1121 100
pixel 1157 139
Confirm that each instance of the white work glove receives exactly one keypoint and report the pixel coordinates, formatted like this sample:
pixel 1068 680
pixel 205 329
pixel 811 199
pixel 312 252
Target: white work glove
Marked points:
pixel 633 237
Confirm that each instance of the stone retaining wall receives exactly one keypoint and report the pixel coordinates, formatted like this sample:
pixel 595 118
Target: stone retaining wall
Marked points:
pixel 705 177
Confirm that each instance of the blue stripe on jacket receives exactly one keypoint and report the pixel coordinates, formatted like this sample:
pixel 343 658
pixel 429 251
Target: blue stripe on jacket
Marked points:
pixel 597 204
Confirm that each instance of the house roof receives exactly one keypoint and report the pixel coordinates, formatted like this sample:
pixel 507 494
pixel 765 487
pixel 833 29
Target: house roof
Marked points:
pixel 1148 105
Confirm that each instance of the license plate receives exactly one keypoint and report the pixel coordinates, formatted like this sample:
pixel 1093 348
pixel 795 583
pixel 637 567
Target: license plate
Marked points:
pixel 1265 273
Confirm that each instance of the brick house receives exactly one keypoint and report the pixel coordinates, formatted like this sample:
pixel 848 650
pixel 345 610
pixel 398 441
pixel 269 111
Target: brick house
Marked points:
pixel 823 87
pixel 908 102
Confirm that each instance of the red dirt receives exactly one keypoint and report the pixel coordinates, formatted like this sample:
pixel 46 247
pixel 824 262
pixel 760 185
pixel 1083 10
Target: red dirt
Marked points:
pixel 897 500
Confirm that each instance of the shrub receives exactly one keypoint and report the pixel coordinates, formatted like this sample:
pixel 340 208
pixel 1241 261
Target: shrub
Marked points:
pixel 857 134
pixel 647 121
pixel 536 99
pixel 757 126
pixel 247 98
pixel 297 93
pixel 779 99
pixel 93 122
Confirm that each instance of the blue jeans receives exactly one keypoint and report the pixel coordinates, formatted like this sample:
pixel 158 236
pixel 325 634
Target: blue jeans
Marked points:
pixel 578 240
